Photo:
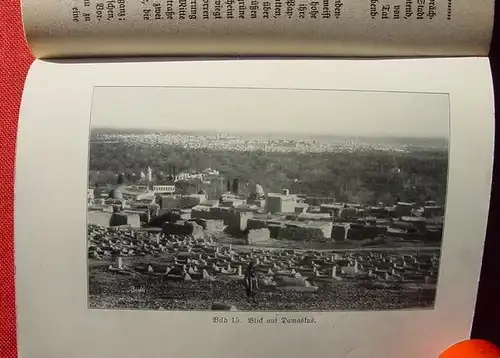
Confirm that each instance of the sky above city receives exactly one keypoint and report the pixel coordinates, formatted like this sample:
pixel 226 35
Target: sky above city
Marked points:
pixel 229 110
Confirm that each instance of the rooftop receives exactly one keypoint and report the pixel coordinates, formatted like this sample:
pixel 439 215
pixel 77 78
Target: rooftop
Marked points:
pixel 209 202
pixel 201 207
pixel 333 206
pixel 413 218
pixel 307 224
pixel 280 195
pixel 315 215
pixel 98 207
pixel 128 211
pixel 402 203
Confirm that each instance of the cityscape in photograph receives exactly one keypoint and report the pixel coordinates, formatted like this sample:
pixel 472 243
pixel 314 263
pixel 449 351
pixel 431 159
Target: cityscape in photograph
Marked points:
pixel 281 222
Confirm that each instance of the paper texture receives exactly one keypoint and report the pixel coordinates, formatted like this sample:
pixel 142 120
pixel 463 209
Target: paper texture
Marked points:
pixel 86 28
pixel 60 103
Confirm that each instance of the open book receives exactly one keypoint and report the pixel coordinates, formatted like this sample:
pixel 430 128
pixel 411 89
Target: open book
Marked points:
pixel 238 207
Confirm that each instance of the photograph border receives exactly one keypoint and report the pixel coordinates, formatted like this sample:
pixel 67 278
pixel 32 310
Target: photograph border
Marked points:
pixel 294 89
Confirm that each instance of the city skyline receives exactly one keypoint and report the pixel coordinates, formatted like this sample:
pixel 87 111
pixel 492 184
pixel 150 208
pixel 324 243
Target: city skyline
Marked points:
pixel 380 114
pixel 273 136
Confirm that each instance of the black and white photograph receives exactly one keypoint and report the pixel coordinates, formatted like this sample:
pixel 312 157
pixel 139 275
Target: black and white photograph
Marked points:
pixel 265 199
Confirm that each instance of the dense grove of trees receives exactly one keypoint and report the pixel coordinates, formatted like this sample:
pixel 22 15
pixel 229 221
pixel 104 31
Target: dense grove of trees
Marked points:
pixel 361 176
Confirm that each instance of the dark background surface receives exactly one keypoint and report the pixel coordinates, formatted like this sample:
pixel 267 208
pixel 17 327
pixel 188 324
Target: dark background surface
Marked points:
pixel 487 316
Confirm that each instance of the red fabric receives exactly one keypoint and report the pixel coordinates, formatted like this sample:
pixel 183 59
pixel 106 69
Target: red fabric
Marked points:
pixel 15 60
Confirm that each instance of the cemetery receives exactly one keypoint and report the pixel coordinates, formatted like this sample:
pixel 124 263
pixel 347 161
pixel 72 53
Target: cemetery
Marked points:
pixel 143 269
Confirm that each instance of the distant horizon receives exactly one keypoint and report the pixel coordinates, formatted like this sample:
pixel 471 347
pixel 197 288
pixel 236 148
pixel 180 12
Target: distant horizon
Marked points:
pixel 242 133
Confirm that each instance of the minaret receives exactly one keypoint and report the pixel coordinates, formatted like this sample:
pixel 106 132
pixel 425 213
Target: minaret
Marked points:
pixel 150 178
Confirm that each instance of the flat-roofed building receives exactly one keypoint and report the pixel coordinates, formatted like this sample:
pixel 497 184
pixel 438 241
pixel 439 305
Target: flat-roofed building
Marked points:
pixel 163 189
pixel 301 208
pixel 306 230
pixel 99 218
pixel 340 232
pixel 432 211
pixel 318 200
pixel 404 209
pixel 348 213
pixel 332 209
pixel 191 200
pixel 314 217
pixel 107 219
pixel 281 203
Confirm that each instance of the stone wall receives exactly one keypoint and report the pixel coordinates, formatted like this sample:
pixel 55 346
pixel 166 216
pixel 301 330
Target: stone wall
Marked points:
pixel 188 228
pixel 118 219
pixel 362 232
pixel 235 220
pixel 275 231
pixel 303 232
pixel 201 213
pixel 253 223
pixel 340 232
pixel 257 235
pixel 219 214
pixel 212 225
pixel 136 217
pixel 134 220
pixel 100 218
pixel 107 219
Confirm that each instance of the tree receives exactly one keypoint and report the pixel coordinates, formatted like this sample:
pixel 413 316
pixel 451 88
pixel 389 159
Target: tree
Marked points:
pixel 373 175
pixel 236 186
pixel 120 179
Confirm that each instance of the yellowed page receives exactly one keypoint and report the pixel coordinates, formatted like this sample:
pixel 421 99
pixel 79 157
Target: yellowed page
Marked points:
pixel 79 28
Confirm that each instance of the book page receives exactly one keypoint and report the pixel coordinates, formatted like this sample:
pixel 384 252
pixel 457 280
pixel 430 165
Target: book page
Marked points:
pixel 321 208
pixel 88 28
